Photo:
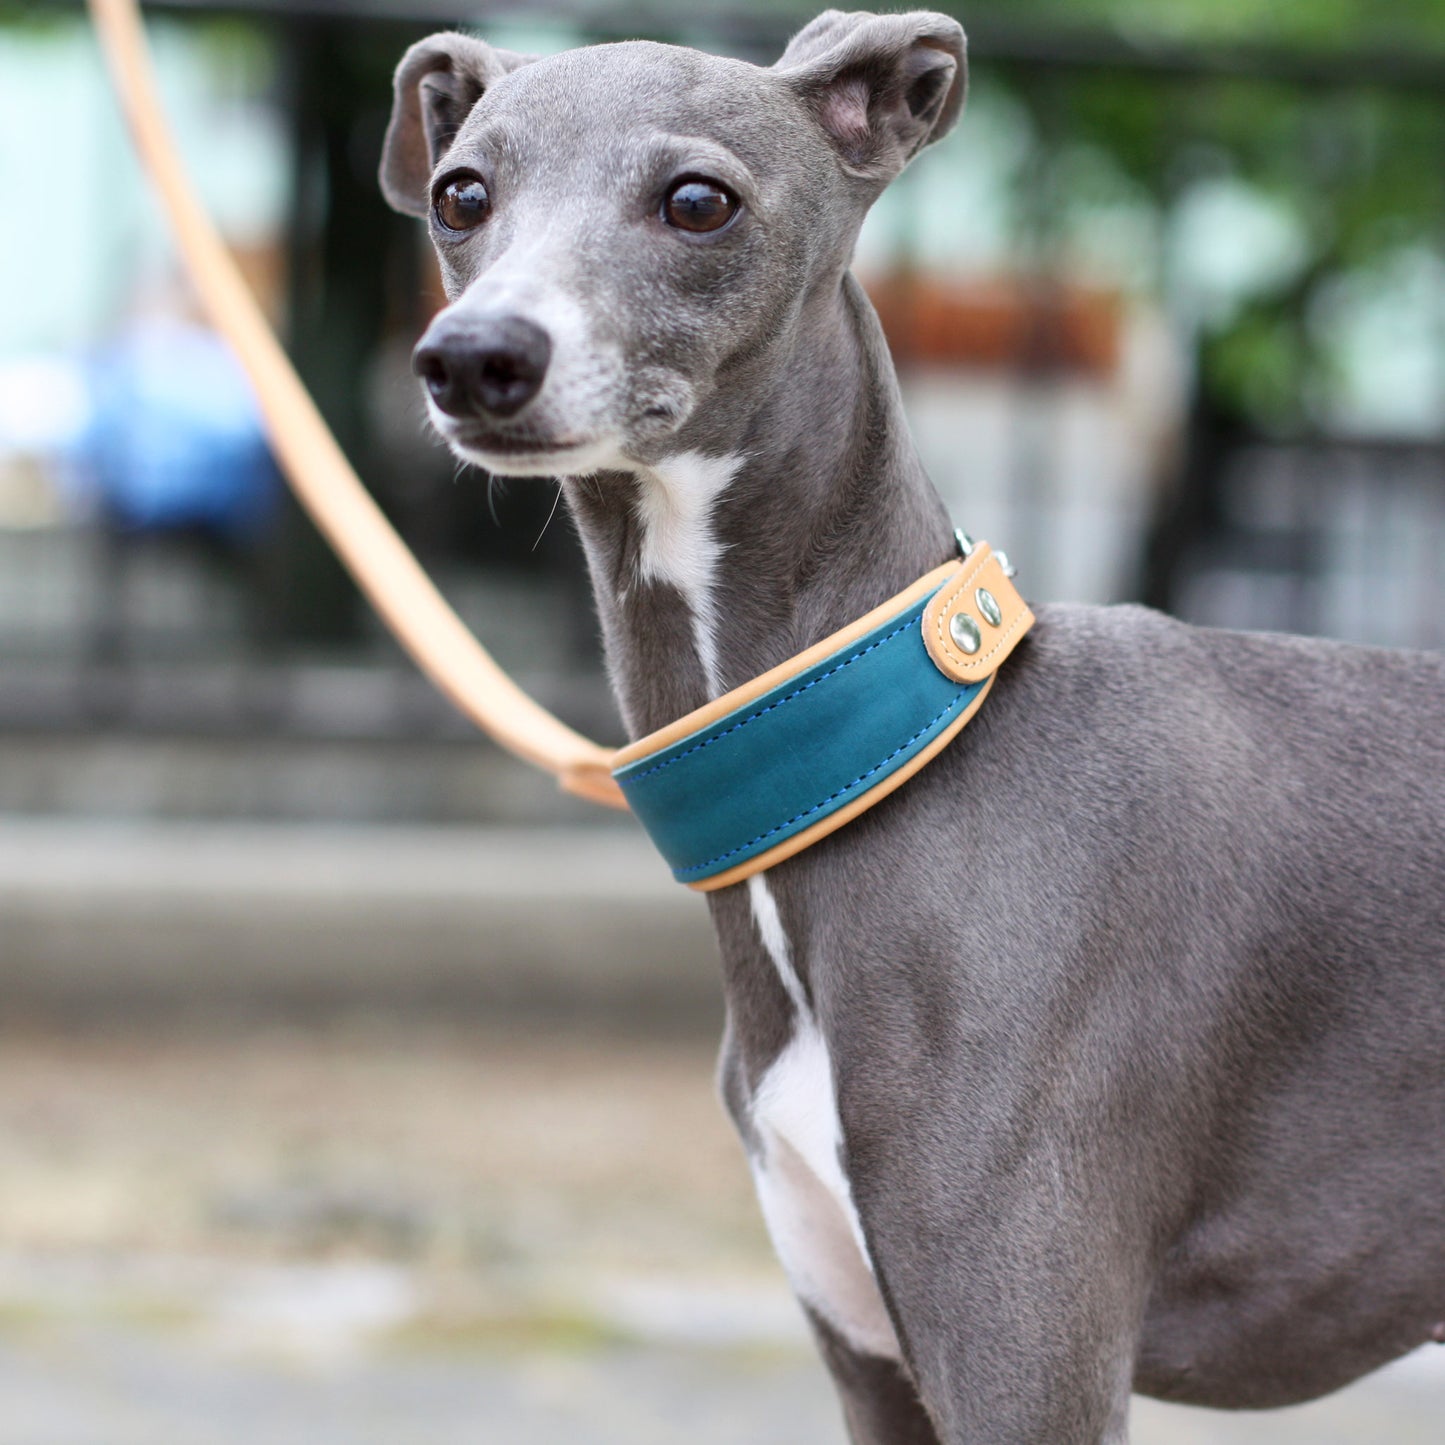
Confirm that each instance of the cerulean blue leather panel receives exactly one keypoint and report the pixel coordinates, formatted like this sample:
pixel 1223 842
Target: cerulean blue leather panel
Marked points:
pixel 784 761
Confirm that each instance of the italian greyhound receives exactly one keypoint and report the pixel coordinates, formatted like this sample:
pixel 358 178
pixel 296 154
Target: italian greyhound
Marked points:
pixel 1107 1053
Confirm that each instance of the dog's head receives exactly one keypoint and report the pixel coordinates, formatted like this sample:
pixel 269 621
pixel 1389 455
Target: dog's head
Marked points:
pixel 623 228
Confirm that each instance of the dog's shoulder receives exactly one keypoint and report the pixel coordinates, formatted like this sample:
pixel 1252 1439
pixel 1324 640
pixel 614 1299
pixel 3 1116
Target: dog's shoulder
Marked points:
pixel 1131 702
pixel 1138 653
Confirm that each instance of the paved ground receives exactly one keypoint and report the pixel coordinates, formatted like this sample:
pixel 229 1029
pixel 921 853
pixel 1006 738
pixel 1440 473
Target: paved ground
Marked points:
pixel 138 1387
pixel 391 1234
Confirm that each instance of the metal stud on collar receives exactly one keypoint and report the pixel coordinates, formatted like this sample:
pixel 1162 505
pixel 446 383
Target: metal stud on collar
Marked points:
pixel 965 633
pixel 988 607
pixel 966 544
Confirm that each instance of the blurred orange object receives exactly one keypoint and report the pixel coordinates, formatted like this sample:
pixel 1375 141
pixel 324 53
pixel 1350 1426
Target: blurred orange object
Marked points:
pixel 1007 323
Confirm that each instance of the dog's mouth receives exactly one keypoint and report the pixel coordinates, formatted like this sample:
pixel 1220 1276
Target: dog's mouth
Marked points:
pixel 493 444
pixel 521 453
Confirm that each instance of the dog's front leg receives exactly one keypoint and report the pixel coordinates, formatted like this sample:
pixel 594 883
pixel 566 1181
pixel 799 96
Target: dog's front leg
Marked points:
pixel 1026 1365
pixel 880 1403
pixel 1015 1290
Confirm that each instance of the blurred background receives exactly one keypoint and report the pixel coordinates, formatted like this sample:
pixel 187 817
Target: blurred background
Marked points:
pixel 327 1113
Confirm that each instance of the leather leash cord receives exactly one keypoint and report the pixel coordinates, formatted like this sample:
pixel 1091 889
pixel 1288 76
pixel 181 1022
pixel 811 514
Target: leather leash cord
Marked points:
pixel 315 466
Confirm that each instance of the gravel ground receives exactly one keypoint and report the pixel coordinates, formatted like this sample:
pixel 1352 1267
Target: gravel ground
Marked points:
pixel 382 1234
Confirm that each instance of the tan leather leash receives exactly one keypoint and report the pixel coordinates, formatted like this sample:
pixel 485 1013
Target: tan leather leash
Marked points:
pixel 317 469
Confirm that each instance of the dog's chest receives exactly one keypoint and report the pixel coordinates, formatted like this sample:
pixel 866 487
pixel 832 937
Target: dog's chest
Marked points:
pixel 796 1158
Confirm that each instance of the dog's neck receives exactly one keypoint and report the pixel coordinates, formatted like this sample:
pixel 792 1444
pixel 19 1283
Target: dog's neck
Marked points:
pixel 792 513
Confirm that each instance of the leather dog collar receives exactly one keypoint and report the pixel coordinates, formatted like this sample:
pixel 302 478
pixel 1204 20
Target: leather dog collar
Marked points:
pixel 769 768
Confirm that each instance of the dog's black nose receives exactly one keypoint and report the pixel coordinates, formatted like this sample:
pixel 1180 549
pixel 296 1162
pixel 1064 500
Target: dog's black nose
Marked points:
pixel 494 369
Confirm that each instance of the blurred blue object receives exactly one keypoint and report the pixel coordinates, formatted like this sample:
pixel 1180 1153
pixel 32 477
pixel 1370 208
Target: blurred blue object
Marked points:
pixel 175 439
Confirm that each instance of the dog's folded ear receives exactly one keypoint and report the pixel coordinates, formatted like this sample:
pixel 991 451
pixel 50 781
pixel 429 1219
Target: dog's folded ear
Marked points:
pixel 437 83
pixel 881 86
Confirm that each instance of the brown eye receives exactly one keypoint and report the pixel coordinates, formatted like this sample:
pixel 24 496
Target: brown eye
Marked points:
pixel 699 206
pixel 462 204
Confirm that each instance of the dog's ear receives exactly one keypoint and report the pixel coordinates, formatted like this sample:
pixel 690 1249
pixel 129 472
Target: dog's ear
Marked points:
pixel 437 83
pixel 881 86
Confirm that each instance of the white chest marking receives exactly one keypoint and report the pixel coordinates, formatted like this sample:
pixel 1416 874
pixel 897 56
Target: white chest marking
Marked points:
pixel 806 1198
pixel 679 546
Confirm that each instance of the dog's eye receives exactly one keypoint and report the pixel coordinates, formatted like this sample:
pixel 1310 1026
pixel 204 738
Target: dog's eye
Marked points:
pixel 462 204
pixel 699 206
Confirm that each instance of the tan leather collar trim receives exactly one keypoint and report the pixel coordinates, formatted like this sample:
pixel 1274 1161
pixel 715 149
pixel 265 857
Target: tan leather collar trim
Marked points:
pixel 983 594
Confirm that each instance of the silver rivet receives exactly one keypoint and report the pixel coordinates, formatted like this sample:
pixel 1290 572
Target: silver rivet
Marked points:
pixel 964 631
pixel 965 542
pixel 1005 566
pixel 988 605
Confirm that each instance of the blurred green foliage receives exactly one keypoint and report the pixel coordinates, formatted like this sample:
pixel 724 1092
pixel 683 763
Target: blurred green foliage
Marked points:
pixel 1334 23
pixel 1355 171
pixel 1312 22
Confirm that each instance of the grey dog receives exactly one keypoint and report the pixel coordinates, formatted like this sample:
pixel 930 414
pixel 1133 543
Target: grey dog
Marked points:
pixel 1108 1052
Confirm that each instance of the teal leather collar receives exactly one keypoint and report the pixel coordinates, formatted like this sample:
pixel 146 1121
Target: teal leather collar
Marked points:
pixel 776 764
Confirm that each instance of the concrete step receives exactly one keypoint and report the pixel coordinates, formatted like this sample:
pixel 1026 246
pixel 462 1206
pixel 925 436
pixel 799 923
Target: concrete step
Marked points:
pixel 127 918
